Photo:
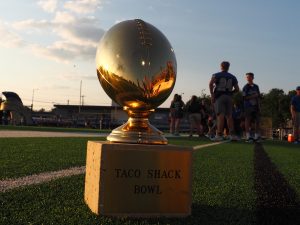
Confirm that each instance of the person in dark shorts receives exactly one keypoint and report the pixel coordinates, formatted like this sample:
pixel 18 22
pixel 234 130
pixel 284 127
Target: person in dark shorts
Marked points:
pixel 172 115
pixel 222 85
pixel 212 125
pixel 295 111
pixel 237 120
pixel 251 97
pixel 195 111
pixel 176 111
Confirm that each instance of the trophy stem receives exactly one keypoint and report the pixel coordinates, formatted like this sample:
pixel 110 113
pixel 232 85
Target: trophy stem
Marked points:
pixel 137 130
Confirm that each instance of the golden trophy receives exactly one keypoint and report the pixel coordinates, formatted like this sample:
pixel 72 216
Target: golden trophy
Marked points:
pixel 136 67
pixel 135 173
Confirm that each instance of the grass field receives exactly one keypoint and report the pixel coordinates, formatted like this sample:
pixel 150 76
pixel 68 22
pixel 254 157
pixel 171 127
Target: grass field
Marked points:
pixel 223 182
pixel 26 156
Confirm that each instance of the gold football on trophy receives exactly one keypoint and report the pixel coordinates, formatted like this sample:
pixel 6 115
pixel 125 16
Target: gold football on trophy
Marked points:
pixel 136 67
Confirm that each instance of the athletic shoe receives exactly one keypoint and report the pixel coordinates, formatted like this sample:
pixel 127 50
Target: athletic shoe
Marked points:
pixel 296 142
pixel 217 138
pixel 249 140
pixel 233 138
pixel 257 140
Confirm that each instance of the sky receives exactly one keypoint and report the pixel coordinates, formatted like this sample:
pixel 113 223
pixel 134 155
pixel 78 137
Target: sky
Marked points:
pixel 48 47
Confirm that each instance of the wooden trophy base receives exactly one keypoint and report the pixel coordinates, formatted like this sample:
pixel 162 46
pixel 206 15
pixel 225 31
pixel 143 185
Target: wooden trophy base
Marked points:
pixel 138 180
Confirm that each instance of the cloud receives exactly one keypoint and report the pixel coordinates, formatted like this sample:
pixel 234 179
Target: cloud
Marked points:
pixel 31 24
pixel 65 52
pixel 62 17
pixel 89 77
pixel 56 87
pixel 48 5
pixel 79 39
pixel 76 77
pixel 8 38
pixel 58 51
pixel 77 36
pixel 83 6
pixel 81 31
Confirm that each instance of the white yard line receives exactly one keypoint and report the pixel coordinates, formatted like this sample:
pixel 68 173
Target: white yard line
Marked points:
pixel 6 185
pixel 208 145
pixel 9 184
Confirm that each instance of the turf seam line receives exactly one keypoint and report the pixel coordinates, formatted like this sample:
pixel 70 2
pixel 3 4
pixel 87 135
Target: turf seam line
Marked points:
pixel 9 184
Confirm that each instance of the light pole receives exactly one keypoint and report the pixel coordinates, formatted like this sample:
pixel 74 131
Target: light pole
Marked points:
pixel 34 89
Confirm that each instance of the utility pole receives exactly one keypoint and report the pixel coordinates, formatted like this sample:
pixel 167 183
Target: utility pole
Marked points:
pixel 34 89
pixel 82 101
pixel 80 95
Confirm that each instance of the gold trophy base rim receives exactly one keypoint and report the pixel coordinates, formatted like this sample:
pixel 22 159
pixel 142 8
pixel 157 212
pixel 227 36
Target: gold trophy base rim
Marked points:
pixel 149 135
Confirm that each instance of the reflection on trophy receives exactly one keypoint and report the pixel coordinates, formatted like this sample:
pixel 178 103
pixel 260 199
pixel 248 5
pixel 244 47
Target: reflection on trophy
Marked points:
pixel 136 67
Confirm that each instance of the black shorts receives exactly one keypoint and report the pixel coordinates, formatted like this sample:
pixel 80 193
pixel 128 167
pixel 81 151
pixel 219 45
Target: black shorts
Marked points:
pixel 252 113
pixel 178 114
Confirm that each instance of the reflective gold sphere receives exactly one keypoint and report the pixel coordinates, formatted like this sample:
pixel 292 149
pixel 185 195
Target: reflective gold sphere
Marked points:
pixel 136 67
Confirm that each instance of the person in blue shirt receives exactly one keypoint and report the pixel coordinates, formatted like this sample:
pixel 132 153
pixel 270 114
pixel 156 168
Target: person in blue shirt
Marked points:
pixel 222 86
pixel 295 111
pixel 251 97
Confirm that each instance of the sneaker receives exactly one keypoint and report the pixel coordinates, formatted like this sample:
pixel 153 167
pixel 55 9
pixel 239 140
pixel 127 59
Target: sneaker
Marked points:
pixel 249 140
pixel 233 138
pixel 296 142
pixel 257 140
pixel 217 138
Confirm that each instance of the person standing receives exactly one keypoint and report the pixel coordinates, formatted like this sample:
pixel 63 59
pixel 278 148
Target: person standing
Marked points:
pixel 176 109
pixel 195 112
pixel 251 97
pixel 172 115
pixel 222 86
pixel 295 111
pixel 237 120
pixel 212 125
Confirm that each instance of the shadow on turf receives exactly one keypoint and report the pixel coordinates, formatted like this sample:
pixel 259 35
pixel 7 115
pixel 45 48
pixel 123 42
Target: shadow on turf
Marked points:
pixel 277 201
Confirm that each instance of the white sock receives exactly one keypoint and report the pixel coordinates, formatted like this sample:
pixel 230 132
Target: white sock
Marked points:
pixel 247 135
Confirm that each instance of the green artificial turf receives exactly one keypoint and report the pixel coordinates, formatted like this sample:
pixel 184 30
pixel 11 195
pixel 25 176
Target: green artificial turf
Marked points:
pixel 186 141
pixel 286 156
pixel 223 187
pixel 222 194
pixel 26 156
